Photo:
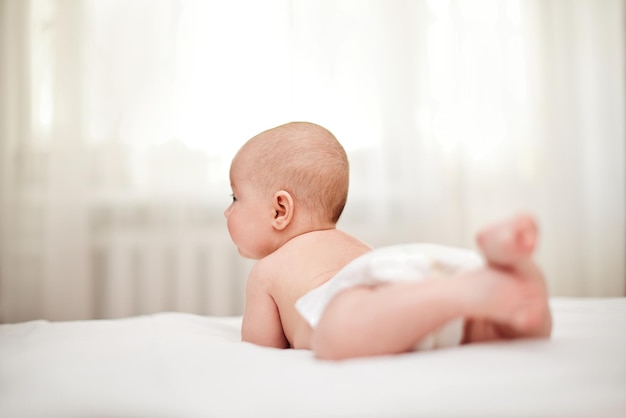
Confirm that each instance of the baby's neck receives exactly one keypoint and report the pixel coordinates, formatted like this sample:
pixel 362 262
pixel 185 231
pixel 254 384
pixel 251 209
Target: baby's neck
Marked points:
pixel 304 230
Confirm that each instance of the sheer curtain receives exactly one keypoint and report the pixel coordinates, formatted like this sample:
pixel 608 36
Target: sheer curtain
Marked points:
pixel 119 120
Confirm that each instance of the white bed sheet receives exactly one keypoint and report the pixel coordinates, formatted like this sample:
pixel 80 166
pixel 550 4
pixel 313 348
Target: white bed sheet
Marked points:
pixel 183 365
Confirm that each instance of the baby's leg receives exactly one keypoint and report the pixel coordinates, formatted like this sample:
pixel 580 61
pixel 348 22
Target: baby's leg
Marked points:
pixel 506 299
pixel 388 318
pixel 508 246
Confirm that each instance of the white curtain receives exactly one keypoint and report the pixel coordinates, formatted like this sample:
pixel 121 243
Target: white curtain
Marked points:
pixel 119 120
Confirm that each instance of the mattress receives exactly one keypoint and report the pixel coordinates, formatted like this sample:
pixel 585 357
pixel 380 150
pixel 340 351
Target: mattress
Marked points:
pixel 185 365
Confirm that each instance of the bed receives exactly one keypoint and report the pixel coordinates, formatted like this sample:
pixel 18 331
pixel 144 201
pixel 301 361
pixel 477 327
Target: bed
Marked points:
pixel 185 365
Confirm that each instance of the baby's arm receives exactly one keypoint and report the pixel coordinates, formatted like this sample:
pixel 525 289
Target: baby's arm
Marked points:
pixel 261 320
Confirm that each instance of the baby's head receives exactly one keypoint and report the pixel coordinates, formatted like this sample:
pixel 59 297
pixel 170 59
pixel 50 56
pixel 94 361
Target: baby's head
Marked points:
pixel 303 159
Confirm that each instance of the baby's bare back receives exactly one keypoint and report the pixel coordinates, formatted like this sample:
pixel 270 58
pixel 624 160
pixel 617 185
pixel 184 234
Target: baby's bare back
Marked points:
pixel 304 263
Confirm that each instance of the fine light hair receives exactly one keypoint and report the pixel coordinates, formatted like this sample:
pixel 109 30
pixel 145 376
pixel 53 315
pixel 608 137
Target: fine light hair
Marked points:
pixel 305 160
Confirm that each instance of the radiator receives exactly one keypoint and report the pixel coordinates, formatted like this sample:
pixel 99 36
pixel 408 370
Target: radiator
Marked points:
pixel 145 270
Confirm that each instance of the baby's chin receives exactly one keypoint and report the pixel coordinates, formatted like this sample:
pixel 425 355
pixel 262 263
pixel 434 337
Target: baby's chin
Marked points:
pixel 256 254
pixel 247 255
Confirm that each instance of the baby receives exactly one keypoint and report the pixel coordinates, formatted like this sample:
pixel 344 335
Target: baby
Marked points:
pixel 316 287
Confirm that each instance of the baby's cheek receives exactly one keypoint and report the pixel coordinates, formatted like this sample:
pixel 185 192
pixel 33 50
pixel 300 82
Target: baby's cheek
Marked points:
pixel 233 230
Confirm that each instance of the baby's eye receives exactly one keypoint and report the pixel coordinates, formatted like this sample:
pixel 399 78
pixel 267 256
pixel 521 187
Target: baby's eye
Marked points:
pixel 233 197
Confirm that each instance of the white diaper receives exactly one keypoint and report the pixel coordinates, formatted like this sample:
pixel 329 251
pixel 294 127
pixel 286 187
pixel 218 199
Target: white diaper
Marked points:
pixel 398 263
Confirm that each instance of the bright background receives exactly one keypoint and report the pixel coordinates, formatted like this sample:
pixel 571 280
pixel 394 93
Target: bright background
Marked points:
pixel 118 120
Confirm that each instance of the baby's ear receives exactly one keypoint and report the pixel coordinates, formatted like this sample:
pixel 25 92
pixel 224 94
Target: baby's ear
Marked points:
pixel 283 210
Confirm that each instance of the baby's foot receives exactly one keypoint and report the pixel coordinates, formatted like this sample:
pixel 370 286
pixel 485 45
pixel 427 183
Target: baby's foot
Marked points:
pixel 520 301
pixel 508 242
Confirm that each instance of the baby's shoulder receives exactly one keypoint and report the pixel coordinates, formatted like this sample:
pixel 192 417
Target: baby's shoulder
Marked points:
pixel 273 267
